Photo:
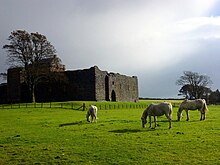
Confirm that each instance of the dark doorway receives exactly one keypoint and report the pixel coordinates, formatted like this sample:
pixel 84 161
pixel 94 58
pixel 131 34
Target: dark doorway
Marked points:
pixel 107 88
pixel 113 96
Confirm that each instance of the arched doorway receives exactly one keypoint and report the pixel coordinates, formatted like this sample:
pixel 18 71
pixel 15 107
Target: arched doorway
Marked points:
pixel 113 96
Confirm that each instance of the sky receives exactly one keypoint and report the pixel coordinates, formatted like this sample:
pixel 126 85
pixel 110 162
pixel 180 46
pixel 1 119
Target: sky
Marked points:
pixel 155 40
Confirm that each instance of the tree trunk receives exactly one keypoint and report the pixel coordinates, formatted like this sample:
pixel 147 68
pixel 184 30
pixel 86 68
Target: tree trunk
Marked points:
pixel 33 94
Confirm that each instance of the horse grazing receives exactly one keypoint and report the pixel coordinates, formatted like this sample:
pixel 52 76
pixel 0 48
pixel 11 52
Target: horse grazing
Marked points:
pixel 157 110
pixel 187 105
pixel 92 111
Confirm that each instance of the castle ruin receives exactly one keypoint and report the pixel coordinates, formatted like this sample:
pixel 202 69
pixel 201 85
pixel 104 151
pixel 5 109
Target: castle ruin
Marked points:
pixel 78 85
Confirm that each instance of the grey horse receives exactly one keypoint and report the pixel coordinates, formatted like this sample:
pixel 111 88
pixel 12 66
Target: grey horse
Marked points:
pixel 155 110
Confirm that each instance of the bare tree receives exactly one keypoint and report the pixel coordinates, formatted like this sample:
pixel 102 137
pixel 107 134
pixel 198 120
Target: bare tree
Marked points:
pixel 28 50
pixel 194 85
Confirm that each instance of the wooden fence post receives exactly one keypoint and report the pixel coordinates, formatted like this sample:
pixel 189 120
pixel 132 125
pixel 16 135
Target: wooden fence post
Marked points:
pixel 84 106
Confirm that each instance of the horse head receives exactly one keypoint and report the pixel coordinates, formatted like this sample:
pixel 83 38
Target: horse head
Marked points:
pixel 144 116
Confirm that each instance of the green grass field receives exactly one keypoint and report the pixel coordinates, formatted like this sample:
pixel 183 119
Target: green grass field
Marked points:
pixel 62 136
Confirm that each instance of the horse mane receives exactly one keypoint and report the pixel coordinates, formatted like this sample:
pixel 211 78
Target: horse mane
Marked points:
pixel 145 113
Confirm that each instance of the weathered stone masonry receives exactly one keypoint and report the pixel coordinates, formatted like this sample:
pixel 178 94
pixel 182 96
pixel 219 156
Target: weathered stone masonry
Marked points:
pixel 96 85
pixel 87 84
pixel 115 87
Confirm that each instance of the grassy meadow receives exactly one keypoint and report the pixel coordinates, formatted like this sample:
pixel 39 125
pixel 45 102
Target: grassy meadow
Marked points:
pixel 62 136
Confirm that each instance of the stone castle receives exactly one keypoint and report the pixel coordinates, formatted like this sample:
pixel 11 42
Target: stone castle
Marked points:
pixel 78 85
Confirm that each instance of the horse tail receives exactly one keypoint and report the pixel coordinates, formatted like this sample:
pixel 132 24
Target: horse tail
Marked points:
pixel 205 108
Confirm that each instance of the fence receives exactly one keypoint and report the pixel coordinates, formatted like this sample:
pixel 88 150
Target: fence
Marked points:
pixel 44 105
pixel 73 106
pixel 81 106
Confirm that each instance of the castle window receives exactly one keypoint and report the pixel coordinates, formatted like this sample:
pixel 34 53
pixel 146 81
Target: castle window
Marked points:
pixel 113 83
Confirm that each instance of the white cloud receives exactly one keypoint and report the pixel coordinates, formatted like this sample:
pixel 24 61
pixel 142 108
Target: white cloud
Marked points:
pixel 198 27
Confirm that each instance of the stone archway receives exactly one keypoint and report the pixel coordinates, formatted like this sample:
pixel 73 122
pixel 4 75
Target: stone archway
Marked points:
pixel 113 96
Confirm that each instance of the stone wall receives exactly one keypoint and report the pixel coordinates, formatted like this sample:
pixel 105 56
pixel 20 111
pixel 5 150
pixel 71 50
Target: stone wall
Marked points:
pixel 81 84
pixel 123 88
pixel 100 84
pixel 115 87
pixel 86 85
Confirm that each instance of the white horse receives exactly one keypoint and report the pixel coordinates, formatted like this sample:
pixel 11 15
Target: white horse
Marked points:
pixel 92 111
pixel 157 110
pixel 187 105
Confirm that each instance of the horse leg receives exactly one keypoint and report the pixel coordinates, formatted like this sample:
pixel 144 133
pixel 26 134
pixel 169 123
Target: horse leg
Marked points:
pixel 155 121
pixel 170 124
pixel 87 117
pixel 150 121
pixel 169 119
pixel 204 116
pixel 201 115
pixel 187 115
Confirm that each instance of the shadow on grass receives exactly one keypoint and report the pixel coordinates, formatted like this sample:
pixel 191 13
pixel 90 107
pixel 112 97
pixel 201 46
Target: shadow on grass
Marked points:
pixel 74 123
pixel 121 121
pixel 190 121
pixel 131 130
pixel 166 121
